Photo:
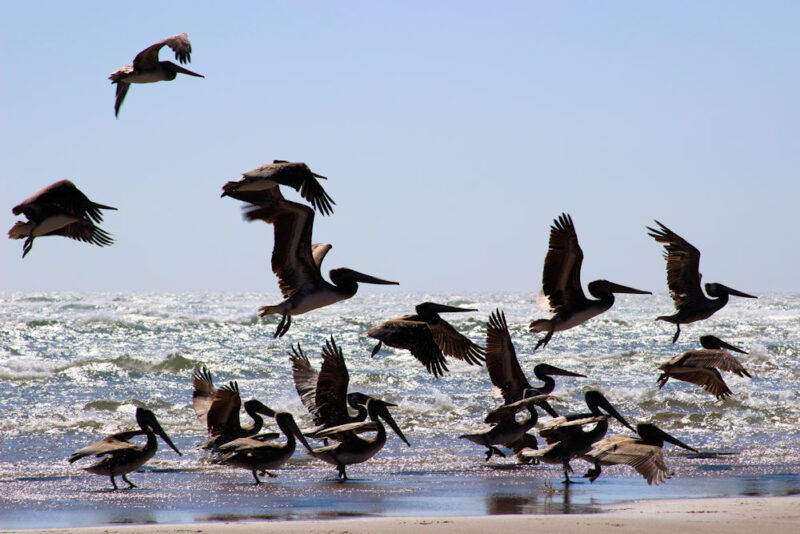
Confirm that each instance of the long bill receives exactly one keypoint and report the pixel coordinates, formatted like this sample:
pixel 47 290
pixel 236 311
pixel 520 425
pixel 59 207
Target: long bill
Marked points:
pixel 160 431
pixel 180 69
pixel 618 288
pixel 386 416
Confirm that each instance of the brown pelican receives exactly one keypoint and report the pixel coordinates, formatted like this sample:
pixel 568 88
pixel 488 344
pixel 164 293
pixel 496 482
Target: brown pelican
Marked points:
pixel 297 263
pixel 428 337
pixel 561 295
pixel 60 209
pixel 644 454
pixel 566 435
pixel 353 449
pixel 121 456
pixel 257 455
pixel 325 394
pixel 292 174
pixel 700 367
pixel 505 372
pixel 147 68
pixel 683 279
pixel 219 409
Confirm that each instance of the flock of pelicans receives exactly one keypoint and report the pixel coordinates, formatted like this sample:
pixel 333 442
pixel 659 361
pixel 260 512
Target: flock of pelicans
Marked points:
pixel 62 209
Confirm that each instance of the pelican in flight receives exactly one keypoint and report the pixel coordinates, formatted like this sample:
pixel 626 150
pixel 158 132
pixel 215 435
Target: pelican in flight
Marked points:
pixel 292 174
pixel 643 454
pixel 428 337
pixel 683 279
pixel 219 410
pixel 561 295
pixel 121 457
pixel 147 68
pixel 701 367
pixel 353 449
pixel 324 394
pixel 296 261
pixel 508 380
pixel 256 455
pixel 60 209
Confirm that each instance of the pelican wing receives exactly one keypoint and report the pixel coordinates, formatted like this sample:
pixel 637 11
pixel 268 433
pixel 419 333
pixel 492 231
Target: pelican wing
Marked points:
pixel 121 92
pixel 298 176
pixel 501 360
pixel 148 58
pixel 561 277
pixel 648 460
pixel 87 232
pixel 223 414
pixel 337 431
pixel 203 393
pixel 331 396
pixel 456 344
pixel 709 379
pixel 62 197
pixel 109 444
pixel 319 251
pixel 305 382
pixel 413 335
pixel 292 258
pixel 719 359
pixel 561 429
pixel 683 266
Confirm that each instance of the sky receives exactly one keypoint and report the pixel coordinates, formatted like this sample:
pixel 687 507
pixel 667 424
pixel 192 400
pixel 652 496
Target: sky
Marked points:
pixel 452 134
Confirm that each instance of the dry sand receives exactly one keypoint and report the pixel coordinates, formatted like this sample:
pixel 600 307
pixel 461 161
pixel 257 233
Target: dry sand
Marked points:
pixel 750 515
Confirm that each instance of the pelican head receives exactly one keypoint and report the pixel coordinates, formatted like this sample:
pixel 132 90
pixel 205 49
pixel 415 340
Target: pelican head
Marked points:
pixel 713 343
pixel 604 287
pixel 431 308
pixel 550 370
pixel 379 408
pixel 345 276
pixel 357 399
pixel 655 436
pixel 595 401
pixel 147 421
pixel 287 424
pixel 256 406
pixel 719 290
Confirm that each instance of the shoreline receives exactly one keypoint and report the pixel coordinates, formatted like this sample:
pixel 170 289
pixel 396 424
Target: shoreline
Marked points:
pixel 730 515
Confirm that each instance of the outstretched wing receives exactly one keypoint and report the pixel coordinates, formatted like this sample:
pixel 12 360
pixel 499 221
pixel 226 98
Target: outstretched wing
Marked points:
pixel 63 197
pixel 331 397
pixel 305 381
pixel 719 359
pixel 413 335
pixel 148 58
pixel 683 266
pixel 501 359
pixel 110 444
pixel 223 414
pixel 561 276
pixel 203 393
pixel 87 232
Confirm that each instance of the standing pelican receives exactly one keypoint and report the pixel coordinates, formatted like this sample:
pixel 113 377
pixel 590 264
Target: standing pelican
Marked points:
pixel 60 209
pixel 324 394
pixel 353 449
pixel 562 295
pixel 292 174
pixel 257 455
pixel 297 263
pixel 643 454
pixel 428 337
pixel 683 279
pixel 147 68
pixel 219 409
pixel 700 367
pixel 121 456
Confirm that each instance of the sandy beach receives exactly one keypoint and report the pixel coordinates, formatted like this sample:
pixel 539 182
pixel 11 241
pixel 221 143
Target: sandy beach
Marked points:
pixel 707 516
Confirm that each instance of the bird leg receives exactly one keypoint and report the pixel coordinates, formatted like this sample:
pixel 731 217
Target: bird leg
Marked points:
pixel 567 469
pixel 377 348
pixel 545 340
pixel 283 326
pixel 341 469
pixel 270 475
pixel 130 484
pixel 28 245
pixel 677 333
pixel 114 482
pixel 255 476
pixel 490 450
pixel 592 474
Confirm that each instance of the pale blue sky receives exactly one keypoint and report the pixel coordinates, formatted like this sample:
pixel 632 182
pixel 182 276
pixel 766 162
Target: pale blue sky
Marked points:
pixel 453 133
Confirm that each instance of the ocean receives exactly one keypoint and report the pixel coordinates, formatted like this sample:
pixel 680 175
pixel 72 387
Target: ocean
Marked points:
pixel 74 367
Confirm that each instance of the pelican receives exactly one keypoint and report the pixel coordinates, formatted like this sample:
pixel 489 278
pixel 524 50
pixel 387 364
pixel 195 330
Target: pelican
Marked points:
pixel 297 263
pixel 219 409
pixel 353 449
pixel 257 455
pixel 292 174
pixel 428 337
pixel 683 279
pixel 325 394
pixel 643 454
pixel 561 295
pixel 60 209
pixel 700 367
pixel 147 68
pixel 121 456
pixel 508 380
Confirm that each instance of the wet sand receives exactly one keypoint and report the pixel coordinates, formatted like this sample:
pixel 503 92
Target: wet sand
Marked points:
pixel 688 516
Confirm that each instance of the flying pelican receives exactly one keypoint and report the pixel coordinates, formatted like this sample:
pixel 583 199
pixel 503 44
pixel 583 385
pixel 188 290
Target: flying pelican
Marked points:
pixel 257 455
pixel 683 279
pixel 561 295
pixel 351 448
pixel 147 68
pixel 325 394
pixel 60 209
pixel 428 337
pixel 297 263
pixel 505 372
pixel 121 456
pixel 567 438
pixel 644 454
pixel 219 409
pixel 292 174
pixel 700 367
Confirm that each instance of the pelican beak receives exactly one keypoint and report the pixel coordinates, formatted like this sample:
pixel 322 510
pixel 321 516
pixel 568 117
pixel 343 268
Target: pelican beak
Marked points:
pixel 386 416
pixel 156 427
pixel 180 69
pixel 602 402
pixel 367 279
pixel 739 293
pixel 676 441
pixel 315 175
pixel 299 434
pixel 444 308
pixel 617 288
pixel 262 408
pixel 713 342
pixel 552 370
